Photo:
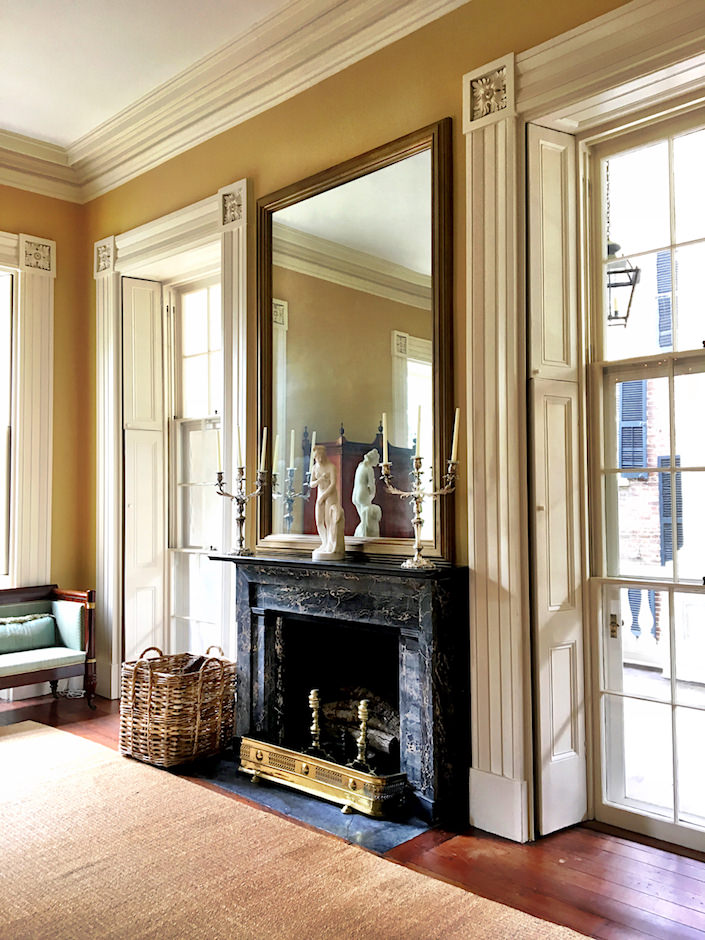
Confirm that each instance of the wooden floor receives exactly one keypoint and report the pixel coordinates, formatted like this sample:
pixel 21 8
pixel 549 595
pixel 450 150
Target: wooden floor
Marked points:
pixel 600 883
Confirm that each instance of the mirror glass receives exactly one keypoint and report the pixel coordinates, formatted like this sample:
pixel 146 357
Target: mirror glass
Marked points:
pixel 353 335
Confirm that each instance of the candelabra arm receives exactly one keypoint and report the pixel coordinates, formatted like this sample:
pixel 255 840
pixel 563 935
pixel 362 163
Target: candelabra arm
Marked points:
pixel 241 497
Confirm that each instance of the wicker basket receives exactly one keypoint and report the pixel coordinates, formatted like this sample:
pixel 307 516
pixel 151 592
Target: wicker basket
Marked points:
pixel 171 711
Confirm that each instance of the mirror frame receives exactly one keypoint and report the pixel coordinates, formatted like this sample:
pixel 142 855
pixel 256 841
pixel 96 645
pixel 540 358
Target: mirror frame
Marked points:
pixel 438 139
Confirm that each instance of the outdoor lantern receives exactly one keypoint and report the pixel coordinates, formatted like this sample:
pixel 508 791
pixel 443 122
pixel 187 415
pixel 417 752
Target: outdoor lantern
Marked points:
pixel 621 274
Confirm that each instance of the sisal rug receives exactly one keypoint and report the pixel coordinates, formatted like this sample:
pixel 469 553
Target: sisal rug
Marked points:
pixel 94 845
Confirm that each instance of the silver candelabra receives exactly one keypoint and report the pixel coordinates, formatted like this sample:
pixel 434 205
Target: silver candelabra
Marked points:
pixel 241 498
pixel 290 495
pixel 418 494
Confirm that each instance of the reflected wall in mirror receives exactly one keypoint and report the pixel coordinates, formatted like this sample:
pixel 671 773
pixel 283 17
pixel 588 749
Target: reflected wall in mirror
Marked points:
pixel 354 321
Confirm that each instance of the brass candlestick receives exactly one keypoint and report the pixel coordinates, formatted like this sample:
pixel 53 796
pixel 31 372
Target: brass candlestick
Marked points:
pixel 290 495
pixel 418 494
pixel 315 729
pixel 241 498
pixel 360 762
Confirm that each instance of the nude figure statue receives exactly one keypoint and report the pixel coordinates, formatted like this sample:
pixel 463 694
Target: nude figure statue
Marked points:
pixel 364 489
pixel 330 520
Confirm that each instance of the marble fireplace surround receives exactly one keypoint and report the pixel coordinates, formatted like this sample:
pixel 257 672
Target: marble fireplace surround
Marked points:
pixel 425 609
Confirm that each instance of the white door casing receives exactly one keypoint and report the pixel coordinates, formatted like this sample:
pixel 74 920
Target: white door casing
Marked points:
pixel 645 54
pixel 146 251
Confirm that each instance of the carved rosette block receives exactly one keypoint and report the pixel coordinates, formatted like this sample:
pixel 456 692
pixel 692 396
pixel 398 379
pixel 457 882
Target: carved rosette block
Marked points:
pixel 233 205
pixel 488 94
pixel 37 255
pixel 104 253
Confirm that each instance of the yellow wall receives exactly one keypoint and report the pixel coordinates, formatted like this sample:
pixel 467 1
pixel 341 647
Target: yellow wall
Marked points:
pixel 73 499
pixel 413 82
pixel 330 324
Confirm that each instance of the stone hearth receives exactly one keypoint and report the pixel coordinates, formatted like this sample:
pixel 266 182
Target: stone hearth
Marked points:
pixel 420 616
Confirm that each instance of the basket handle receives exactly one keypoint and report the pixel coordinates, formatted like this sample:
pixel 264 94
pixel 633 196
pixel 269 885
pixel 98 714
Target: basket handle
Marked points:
pixel 201 676
pixel 215 648
pixel 143 662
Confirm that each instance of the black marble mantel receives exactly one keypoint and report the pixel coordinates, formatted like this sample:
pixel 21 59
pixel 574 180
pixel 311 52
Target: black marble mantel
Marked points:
pixel 427 611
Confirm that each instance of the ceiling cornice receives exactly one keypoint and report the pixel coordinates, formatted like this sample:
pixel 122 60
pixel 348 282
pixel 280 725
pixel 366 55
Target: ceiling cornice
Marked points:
pixel 288 52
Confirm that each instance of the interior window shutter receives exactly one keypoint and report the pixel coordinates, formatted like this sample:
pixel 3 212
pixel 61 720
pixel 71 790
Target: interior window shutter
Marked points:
pixel 666 510
pixel 664 286
pixel 632 427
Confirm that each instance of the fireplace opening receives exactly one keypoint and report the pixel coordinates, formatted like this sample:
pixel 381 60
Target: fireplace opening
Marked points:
pixel 346 662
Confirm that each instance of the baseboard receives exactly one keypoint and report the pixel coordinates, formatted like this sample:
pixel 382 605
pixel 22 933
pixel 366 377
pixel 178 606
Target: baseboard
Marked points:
pixel 499 805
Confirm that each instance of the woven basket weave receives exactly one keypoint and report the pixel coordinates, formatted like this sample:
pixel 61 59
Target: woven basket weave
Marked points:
pixel 169 715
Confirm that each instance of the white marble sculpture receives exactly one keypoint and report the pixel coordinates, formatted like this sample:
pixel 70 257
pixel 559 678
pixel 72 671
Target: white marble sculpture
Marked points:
pixel 330 520
pixel 364 489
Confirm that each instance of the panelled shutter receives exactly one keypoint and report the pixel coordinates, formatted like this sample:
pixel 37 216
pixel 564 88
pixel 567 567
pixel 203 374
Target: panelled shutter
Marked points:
pixel 666 509
pixel 664 287
pixel 632 427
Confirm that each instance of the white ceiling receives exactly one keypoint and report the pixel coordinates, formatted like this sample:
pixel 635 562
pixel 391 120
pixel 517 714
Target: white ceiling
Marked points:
pixel 66 66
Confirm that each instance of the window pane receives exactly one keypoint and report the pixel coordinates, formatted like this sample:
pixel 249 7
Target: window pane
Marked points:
pixel 215 340
pixel 194 387
pixel 689 625
pixel 690 524
pixel 202 515
pixel 690 300
pixel 215 383
pixel 638 200
pixel 643 546
pixel 639 743
pixel 197 592
pixel 199 445
pixel 641 426
pixel 194 322
pixel 638 658
pixel 689 185
pixel 689 400
pixel 648 329
pixel 690 731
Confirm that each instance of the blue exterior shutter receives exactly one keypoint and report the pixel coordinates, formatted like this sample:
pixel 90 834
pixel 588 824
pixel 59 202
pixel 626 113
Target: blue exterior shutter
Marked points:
pixel 666 510
pixel 664 287
pixel 632 427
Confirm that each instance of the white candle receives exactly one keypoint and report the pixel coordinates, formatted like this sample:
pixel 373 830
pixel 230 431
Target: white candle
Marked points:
pixel 385 445
pixel 454 447
pixel 220 459
pixel 418 434
pixel 313 444
pixel 239 448
pixel 263 452
pixel 291 448
pixel 275 454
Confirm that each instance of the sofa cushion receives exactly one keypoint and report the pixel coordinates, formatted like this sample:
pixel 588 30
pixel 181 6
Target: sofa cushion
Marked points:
pixel 27 633
pixel 34 660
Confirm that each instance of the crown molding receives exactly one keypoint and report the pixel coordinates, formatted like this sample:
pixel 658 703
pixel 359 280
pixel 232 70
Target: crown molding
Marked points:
pixel 283 55
pixel 330 261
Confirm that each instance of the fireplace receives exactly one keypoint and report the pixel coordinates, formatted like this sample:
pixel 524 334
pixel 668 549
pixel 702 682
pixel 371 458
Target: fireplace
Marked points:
pixel 397 636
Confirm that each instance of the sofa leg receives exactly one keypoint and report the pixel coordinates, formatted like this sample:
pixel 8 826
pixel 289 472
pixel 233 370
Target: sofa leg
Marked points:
pixel 54 683
pixel 89 688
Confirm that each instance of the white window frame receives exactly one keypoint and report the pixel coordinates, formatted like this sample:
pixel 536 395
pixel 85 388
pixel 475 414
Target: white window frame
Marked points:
pixel 605 587
pixel 32 261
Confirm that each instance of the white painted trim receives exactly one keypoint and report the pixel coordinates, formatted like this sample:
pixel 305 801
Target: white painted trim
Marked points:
pixel 499 804
pixel 37 256
pixel 488 94
pixel 304 43
pixel 132 253
pixel 644 51
pixel 32 423
pixel 339 264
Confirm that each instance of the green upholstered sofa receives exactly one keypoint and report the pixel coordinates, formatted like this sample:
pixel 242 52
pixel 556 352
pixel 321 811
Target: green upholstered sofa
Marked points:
pixel 45 635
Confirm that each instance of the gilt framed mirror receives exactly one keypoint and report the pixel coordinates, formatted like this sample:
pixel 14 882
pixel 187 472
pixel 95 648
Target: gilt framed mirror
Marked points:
pixel 355 285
